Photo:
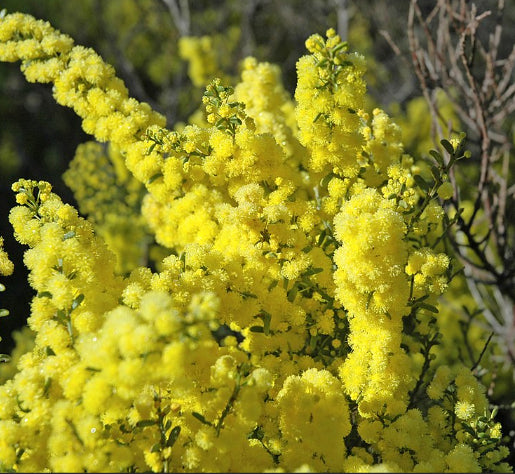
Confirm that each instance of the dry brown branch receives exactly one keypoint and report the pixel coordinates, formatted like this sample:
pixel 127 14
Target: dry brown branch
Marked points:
pixel 449 52
pixel 180 13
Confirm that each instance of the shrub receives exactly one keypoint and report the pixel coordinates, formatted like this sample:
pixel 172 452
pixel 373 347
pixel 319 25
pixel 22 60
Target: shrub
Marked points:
pixel 289 319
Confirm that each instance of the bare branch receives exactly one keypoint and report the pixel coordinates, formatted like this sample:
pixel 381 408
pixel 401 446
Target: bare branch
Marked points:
pixel 342 18
pixel 180 13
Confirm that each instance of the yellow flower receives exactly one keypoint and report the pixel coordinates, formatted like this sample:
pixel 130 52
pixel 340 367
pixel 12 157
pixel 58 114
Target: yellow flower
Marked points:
pixel 462 459
pixel 6 266
pixel 464 410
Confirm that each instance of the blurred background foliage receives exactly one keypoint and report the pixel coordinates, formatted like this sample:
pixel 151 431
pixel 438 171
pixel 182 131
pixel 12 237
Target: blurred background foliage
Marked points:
pixel 167 50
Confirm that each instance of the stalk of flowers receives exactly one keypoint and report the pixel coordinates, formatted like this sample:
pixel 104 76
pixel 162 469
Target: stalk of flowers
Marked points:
pixel 72 272
pixel 330 97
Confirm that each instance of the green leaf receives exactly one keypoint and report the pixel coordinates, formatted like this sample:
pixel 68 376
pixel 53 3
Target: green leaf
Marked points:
pixel 292 293
pixel 4 313
pixel 421 182
pixel 340 46
pixel 325 180
pixel 46 388
pixel 49 351
pixel 317 117
pixel 69 235
pixel 436 174
pixel 437 156
pixel 154 177
pixel 369 299
pixel 235 120
pixel 44 294
pixel 200 418
pixel 172 438
pixel 77 301
pixel 447 145
pixel 247 294
pixel 313 271
pixel 69 328
pixel 155 448
pixel 418 300
pixel 429 307
pixel 145 423
pixel 256 329
pixel 267 317
pixel 60 315
pixel 93 369
pixel 321 237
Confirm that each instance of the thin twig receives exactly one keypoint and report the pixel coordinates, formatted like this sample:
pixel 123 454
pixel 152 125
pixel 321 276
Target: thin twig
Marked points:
pixel 180 15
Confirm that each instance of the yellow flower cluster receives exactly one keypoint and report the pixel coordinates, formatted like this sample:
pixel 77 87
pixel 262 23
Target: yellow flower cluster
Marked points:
pixel 313 409
pixel 330 96
pixel 71 268
pixel 373 287
pixel 269 105
pixel 291 323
